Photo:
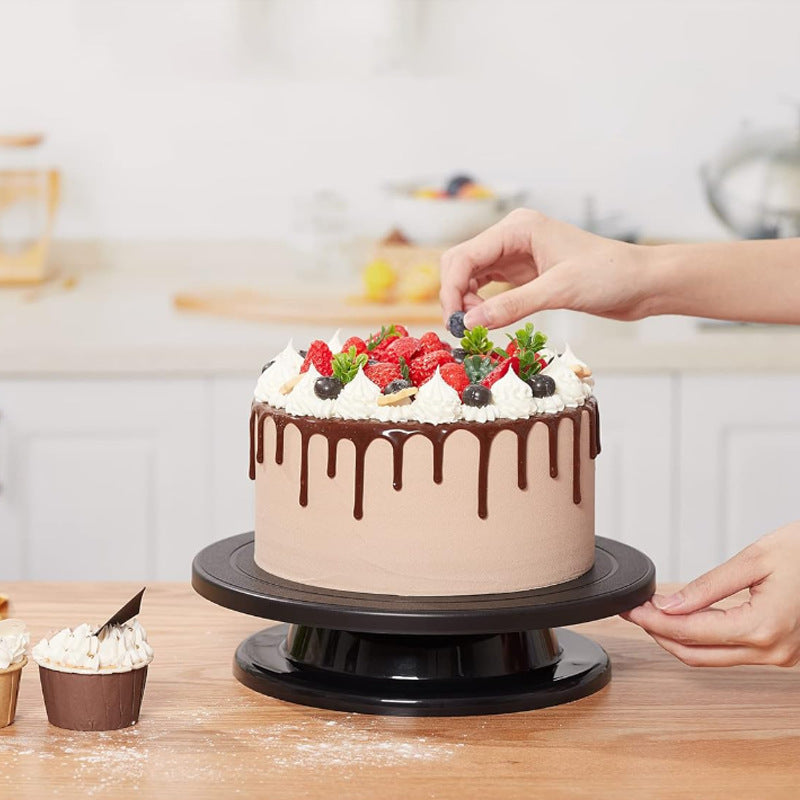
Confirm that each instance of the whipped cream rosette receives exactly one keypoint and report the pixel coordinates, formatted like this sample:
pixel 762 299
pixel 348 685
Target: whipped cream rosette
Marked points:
pixel 13 644
pixel 94 681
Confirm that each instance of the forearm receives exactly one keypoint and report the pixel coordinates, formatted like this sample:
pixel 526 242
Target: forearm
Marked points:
pixel 753 281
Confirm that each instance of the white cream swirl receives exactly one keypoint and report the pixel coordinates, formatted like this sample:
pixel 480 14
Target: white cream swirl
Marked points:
pixel 399 413
pixel 335 343
pixel 358 399
pixel 548 405
pixel 287 365
pixel 303 400
pixel 480 413
pixel 568 385
pixel 14 640
pixel 437 401
pixel 512 396
pixel 119 648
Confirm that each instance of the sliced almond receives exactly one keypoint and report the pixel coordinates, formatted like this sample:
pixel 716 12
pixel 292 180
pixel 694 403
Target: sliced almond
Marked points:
pixel 581 371
pixel 3 606
pixel 291 383
pixel 397 398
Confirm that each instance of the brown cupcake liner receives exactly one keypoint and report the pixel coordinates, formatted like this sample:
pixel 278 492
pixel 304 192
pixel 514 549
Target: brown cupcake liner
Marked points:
pixel 9 690
pixel 93 701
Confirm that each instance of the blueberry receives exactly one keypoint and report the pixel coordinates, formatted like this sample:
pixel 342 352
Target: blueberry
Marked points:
pixel 459 354
pixel 456 182
pixel 327 388
pixel 396 385
pixel 303 353
pixel 267 366
pixel 542 385
pixel 476 395
pixel 456 324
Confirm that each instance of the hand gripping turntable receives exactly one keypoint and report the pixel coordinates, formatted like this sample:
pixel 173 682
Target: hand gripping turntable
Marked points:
pixel 422 656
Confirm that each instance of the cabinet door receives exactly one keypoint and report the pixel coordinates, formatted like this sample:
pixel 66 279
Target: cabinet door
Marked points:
pixel 233 510
pixel 739 462
pixel 103 479
pixel 634 494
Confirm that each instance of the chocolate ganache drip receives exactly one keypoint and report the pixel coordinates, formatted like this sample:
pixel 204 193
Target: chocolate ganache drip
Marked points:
pixel 363 432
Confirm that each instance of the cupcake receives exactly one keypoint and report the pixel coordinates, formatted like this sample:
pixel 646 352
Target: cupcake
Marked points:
pixel 94 682
pixel 13 641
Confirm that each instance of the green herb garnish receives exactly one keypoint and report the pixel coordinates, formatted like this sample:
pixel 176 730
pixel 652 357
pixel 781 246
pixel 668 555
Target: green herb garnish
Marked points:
pixel 386 332
pixel 478 367
pixel 476 341
pixel 346 365
pixel 528 343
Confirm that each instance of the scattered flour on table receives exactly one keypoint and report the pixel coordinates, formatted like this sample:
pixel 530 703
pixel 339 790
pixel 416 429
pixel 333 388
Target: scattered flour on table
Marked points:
pixel 217 745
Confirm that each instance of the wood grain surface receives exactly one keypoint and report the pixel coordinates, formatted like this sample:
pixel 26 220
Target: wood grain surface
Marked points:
pixel 660 730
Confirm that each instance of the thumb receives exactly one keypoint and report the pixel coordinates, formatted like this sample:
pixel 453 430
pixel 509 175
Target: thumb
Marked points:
pixel 515 304
pixel 740 572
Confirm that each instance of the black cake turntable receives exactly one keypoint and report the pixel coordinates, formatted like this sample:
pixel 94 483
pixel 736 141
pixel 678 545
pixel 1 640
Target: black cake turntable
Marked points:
pixel 422 656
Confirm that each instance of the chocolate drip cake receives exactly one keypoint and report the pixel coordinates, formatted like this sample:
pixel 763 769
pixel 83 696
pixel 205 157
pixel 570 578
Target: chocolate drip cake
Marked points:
pixel 400 465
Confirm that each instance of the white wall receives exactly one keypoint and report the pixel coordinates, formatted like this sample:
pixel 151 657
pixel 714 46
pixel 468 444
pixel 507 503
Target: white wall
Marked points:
pixel 209 118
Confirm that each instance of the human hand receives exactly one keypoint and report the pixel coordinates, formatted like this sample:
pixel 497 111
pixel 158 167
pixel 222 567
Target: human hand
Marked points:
pixel 763 630
pixel 552 265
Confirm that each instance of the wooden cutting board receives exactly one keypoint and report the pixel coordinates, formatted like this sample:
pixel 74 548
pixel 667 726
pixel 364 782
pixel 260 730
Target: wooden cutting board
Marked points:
pixel 258 306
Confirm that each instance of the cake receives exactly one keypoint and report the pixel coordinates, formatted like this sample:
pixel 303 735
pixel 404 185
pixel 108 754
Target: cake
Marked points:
pixel 13 643
pixel 94 681
pixel 406 466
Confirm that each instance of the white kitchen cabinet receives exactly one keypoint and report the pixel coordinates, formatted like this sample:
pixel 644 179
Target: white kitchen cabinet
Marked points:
pixel 634 483
pixel 103 479
pixel 233 499
pixel 739 464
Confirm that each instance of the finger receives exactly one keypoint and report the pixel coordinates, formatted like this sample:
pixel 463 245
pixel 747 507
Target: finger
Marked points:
pixel 739 572
pixel 710 656
pixel 514 304
pixel 711 626
pixel 462 263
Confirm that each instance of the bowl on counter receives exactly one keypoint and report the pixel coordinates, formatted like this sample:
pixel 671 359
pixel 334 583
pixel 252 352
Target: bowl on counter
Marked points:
pixel 429 217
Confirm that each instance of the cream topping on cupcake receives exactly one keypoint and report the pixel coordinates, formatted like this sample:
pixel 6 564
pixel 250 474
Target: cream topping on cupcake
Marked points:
pixel 14 640
pixel 118 648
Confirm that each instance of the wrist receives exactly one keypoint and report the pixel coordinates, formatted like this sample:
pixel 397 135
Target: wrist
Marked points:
pixel 661 278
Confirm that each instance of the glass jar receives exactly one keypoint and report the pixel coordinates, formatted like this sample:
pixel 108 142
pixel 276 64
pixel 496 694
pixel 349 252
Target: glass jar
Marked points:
pixel 29 195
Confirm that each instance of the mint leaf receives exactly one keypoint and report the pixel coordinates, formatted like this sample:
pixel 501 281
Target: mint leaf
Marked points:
pixel 477 367
pixel 476 341
pixel 346 365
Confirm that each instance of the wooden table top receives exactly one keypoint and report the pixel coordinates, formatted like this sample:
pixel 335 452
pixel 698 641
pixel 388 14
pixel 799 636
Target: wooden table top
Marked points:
pixel 659 730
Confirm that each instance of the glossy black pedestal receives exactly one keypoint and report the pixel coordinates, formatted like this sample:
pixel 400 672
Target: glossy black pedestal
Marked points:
pixel 422 656
pixel 579 668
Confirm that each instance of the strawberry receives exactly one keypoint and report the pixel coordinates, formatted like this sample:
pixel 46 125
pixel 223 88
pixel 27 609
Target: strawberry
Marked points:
pixel 455 375
pixel 383 374
pixel 501 369
pixel 405 347
pixel 423 367
pixel 512 348
pixel 357 342
pixel 401 330
pixel 319 354
pixel 429 342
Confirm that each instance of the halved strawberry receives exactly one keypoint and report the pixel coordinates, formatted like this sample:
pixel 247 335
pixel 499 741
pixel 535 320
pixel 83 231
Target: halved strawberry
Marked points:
pixel 429 342
pixel 500 370
pixel 405 348
pixel 383 373
pixel 423 367
pixel 455 375
pixel 319 354
pixel 357 342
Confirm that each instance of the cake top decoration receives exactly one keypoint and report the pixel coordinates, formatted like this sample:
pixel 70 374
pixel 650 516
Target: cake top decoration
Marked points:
pixel 392 376
pixel 14 640
pixel 117 648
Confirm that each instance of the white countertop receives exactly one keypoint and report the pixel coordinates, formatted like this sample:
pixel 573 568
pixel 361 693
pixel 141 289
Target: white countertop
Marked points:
pixel 119 319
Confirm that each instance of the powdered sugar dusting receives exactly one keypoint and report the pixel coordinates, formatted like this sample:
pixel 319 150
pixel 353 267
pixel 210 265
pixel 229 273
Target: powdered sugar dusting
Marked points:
pixel 219 745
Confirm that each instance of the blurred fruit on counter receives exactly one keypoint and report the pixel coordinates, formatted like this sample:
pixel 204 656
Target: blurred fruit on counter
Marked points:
pixel 441 213
pixel 398 271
